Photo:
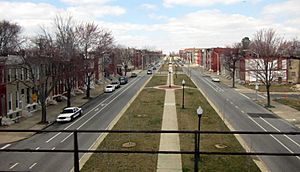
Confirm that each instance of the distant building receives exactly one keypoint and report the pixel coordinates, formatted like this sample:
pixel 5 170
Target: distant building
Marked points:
pixel 294 70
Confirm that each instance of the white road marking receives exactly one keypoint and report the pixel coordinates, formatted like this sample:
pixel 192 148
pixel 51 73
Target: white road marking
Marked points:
pixel 13 166
pixel 101 104
pixel 53 148
pixel 273 137
pixel 37 148
pixel 261 96
pixel 231 102
pixel 279 131
pixel 236 107
pixel 6 146
pixel 242 111
pixel 227 99
pixel 32 165
pixel 96 109
pixel 244 96
pixel 66 138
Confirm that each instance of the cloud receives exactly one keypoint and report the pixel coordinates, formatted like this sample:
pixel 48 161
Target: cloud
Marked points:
pixel 157 17
pixel 170 3
pixel 82 2
pixel 290 7
pixel 148 6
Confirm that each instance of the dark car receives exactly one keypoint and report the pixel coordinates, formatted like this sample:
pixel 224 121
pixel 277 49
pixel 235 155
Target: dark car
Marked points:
pixel 149 72
pixel 123 80
pixel 133 75
pixel 154 68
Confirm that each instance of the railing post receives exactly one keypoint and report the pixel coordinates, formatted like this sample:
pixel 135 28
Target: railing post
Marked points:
pixel 196 153
pixel 76 154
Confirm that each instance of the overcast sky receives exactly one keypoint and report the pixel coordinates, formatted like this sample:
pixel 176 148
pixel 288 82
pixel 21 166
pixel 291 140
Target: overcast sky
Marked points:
pixel 167 25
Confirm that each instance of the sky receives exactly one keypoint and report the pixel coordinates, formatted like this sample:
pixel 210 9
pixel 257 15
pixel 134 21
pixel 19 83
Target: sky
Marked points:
pixel 167 25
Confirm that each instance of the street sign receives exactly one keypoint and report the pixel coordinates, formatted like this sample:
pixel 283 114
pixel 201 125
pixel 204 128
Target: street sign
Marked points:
pixel 256 86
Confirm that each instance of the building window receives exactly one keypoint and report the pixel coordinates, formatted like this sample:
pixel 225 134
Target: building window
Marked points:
pixel 22 91
pixel 16 73
pixel 22 74
pixel 27 96
pixel 17 99
pixel 9 75
pixel 10 101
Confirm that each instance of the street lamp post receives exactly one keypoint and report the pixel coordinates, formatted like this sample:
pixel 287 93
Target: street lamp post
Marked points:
pixel 197 140
pixel 183 83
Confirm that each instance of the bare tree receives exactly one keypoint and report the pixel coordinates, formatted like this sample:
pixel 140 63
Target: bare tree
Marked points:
pixel 9 37
pixel 231 58
pixel 93 43
pixel 66 43
pixel 40 63
pixel 268 47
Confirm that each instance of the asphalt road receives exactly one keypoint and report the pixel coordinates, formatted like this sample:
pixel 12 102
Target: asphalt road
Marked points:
pixel 245 115
pixel 98 114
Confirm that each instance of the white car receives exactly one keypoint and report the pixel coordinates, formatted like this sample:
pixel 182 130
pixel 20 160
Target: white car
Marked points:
pixel 215 79
pixel 149 72
pixel 68 114
pixel 109 88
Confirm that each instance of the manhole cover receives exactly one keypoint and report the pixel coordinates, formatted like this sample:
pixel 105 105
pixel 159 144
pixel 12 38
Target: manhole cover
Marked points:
pixel 128 145
pixel 220 146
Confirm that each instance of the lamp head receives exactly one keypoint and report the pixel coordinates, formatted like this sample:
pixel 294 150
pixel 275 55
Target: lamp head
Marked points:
pixel 199 111
pixel 183 82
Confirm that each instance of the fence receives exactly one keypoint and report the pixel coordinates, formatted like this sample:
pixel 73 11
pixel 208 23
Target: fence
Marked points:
pixel 197 152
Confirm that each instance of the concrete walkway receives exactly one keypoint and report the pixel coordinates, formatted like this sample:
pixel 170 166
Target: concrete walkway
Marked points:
pixel 169 142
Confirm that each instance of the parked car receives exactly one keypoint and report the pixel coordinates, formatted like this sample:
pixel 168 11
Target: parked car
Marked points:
pixel 215 79
pixel 109 88
pixel 154 68
pixel 123 80
pixel 133 75
pixel 68 114
pixel 149 72
pixel 116 84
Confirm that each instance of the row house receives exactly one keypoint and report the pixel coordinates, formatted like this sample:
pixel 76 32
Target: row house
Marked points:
pixel 191 56
pixel 250 66
pixel 294 70
pixel 17 94
pixel 214 59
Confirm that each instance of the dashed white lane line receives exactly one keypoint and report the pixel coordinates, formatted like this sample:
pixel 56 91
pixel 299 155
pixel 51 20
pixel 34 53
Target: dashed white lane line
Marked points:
pixel 273 137
pixel 6 146
pixel 53 137
pixel 66 138
pixel 37 148
pixel 242 111
pixel 32 165
pixel 96 109
pixel 244 96
pixel 13 166
pixel 279 131
pixel 236 107
pixel 231 103
pixel 53 148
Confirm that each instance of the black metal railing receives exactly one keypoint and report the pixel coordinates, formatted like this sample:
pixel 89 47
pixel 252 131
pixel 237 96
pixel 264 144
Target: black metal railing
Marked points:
pixel 196 151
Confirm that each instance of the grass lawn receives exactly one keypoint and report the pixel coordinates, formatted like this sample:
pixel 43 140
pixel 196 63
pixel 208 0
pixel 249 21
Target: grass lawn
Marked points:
pixel 145 113
pixel 274 88
pixel 292 102
pixel 188 120
pixel 158 80
pixel 164 68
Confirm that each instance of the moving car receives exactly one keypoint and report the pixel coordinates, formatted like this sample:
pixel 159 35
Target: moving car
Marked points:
pixel 123 80
pixel 109 88
pixel 133 75
pixel 149 72
pixel 215 79
pixel 68 114
pixel 116 84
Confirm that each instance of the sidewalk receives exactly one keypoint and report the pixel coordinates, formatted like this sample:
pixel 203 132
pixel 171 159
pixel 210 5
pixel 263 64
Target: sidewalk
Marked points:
pixel 32 122
pixel 169 142
pixel 285 112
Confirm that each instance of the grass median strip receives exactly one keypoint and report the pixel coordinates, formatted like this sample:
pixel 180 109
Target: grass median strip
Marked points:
pixel 292 102
pixel 188 120
pixel 145 113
